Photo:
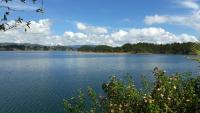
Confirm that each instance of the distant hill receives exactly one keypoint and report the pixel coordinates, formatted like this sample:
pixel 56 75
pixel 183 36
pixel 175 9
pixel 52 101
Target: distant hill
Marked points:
pixel 31 47
pixel 174 48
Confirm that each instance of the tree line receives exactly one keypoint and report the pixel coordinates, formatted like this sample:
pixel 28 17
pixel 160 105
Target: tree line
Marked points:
pixel 31 47
pixel 174 48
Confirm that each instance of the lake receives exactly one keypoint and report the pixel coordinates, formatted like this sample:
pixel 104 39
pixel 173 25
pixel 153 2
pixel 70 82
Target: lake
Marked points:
pixel 37 82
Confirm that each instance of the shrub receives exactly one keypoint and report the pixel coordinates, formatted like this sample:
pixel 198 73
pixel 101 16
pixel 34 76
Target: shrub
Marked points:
pixel 179 93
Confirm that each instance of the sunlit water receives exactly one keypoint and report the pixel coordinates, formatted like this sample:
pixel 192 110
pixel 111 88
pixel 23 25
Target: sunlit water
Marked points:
pixel 37 82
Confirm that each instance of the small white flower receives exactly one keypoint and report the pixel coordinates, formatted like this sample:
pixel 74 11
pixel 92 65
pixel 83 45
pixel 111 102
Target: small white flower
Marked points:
pixel 174 87
pixel 129 87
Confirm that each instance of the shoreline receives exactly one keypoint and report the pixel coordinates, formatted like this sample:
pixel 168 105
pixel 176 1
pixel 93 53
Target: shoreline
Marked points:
pixel 132 53
pixel 194 57
pixel 84 52
pixel 114 53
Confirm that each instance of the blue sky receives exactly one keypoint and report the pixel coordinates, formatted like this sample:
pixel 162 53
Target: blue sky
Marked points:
pixel 177 17
pixel 111 13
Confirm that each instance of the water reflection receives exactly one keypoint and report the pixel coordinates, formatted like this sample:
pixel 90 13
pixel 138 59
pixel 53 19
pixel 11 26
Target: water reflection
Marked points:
pixel 36 82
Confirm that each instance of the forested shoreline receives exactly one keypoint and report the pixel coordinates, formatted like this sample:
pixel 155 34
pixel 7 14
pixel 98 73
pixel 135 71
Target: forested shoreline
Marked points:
pixel 31 47
pixel 174 48
pixel 147 48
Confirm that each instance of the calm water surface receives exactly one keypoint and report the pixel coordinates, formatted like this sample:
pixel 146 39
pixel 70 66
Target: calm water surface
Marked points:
pixel 37 82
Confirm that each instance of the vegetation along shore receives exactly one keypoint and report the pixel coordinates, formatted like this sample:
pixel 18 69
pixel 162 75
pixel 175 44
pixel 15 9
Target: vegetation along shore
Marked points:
pixel 139 48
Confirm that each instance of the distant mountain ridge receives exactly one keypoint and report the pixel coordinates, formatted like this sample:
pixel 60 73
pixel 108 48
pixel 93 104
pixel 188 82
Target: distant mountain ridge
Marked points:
pixel 32 47
pixel 174 48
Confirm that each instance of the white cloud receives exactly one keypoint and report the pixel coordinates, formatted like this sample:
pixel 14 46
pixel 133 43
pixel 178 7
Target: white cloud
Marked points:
pixel 81 26
pixel 190 4
pixel 91 29
pixel 192 20
pixel 118 38
pixel 156 19
pixel 40 33
pixel 152 35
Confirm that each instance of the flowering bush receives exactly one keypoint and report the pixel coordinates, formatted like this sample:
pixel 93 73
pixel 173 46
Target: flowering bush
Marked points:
pixel 168 94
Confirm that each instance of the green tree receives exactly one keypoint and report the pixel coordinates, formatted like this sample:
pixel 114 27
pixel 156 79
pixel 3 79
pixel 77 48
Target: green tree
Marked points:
pixel 174 48
pixel 103 48
pixel 127 47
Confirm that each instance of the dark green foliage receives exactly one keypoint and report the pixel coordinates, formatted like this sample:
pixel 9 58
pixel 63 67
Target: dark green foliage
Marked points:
pixel 86 48
pixel 168 94
pixel 31 47
pixel 127 47
pixel 174 48
pixel 118 49
pixel 102 48
pixel 99 48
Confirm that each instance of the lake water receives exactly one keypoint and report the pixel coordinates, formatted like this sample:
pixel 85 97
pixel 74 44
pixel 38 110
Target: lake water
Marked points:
pixel 37 82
